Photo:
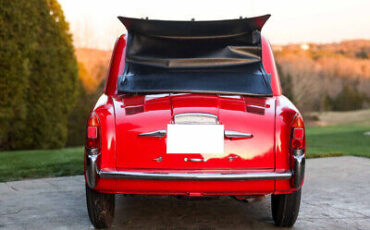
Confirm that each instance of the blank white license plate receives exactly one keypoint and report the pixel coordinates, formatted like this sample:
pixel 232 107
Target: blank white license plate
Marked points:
pixel 201 139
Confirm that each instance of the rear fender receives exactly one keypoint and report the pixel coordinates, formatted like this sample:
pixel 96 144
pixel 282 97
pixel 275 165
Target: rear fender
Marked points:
pixel 104 109
pixel 285 113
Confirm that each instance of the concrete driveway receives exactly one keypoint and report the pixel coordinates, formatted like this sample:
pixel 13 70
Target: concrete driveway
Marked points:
pixel 336 195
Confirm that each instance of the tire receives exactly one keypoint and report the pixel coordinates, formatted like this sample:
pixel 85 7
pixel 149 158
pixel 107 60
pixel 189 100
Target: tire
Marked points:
pixel 285 208
pixel 100 207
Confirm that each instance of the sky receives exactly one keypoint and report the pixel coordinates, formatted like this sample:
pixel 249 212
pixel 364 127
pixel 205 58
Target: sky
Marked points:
pixel 94 23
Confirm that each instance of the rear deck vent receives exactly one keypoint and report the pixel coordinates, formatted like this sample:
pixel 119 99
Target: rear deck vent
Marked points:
pixel 255 110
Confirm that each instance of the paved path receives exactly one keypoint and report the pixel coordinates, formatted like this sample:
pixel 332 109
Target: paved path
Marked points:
pixel 336 195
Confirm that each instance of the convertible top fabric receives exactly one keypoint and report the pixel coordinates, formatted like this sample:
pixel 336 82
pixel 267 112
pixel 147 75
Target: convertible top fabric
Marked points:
pixel 218 57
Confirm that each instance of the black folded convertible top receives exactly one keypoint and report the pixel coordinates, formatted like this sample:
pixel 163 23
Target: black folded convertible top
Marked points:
pixel 222 57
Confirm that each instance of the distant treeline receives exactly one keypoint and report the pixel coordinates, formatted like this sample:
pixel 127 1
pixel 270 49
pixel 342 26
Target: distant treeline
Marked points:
pixel 326 76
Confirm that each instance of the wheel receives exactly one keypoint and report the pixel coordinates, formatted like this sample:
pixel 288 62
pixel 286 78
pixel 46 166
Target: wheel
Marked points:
pixel 100 207
pixel 285 208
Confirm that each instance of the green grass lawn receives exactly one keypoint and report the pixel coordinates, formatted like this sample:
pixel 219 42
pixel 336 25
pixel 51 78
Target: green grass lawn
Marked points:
pixel 17 165
pixel 338 140
pixel 334 140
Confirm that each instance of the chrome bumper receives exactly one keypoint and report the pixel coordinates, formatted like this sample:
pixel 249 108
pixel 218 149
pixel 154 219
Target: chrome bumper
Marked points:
pixel 194 176
pixel 92 174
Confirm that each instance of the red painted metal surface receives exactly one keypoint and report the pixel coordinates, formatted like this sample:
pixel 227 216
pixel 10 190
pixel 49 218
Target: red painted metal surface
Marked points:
pixel 135 115
pixel 268 62
pixel 116 66
pixel 122 118
pixel 186 187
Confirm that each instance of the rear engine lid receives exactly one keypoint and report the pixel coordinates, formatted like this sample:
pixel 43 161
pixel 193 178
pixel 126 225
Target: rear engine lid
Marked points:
pixel 142 131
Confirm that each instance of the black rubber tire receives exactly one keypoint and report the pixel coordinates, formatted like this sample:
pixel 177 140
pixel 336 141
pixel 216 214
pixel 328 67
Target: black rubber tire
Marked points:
pixel 100 207
pixel 285 208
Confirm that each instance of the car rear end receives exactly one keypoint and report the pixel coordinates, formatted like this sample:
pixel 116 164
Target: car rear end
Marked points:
pixel 228 132
pixel 221 145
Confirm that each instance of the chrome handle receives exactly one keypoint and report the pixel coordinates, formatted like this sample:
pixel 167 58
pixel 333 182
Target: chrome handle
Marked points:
pixel 234 134
pixel 193 159
pixel 158 133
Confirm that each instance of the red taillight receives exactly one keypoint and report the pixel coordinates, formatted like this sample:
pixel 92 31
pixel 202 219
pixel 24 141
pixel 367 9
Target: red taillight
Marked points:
pixel 298 133
pixel 93 132
pixel 297 139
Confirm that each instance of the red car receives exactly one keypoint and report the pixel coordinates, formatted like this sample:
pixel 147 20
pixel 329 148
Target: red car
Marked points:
pixel 194 108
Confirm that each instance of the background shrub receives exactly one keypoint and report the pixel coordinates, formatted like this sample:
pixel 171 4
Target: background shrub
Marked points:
pixel 38 74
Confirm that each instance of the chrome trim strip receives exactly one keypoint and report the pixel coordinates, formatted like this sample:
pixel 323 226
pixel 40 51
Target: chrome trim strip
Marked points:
pixel 158 133
pixel 230 96
pixel 193 159
pixel 235 134
pixel 195 176
pixel 196 114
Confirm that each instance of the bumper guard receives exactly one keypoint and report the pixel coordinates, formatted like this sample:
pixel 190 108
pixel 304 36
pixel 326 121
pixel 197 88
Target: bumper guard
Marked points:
pixel 299 167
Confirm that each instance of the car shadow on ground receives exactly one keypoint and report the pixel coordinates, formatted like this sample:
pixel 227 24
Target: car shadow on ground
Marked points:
pixel 169 212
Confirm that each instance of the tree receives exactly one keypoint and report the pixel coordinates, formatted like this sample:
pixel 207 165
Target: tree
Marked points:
pixel 41 81
pixel 14 68
pixel 80 112
pixel 286 82
pixel 348 99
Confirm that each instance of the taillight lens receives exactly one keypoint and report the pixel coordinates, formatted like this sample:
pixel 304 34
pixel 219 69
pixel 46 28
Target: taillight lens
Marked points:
pixel 93 132
pixel 297 138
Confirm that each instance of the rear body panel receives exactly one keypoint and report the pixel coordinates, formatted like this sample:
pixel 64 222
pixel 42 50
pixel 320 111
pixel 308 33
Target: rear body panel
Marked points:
pixel 142 114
